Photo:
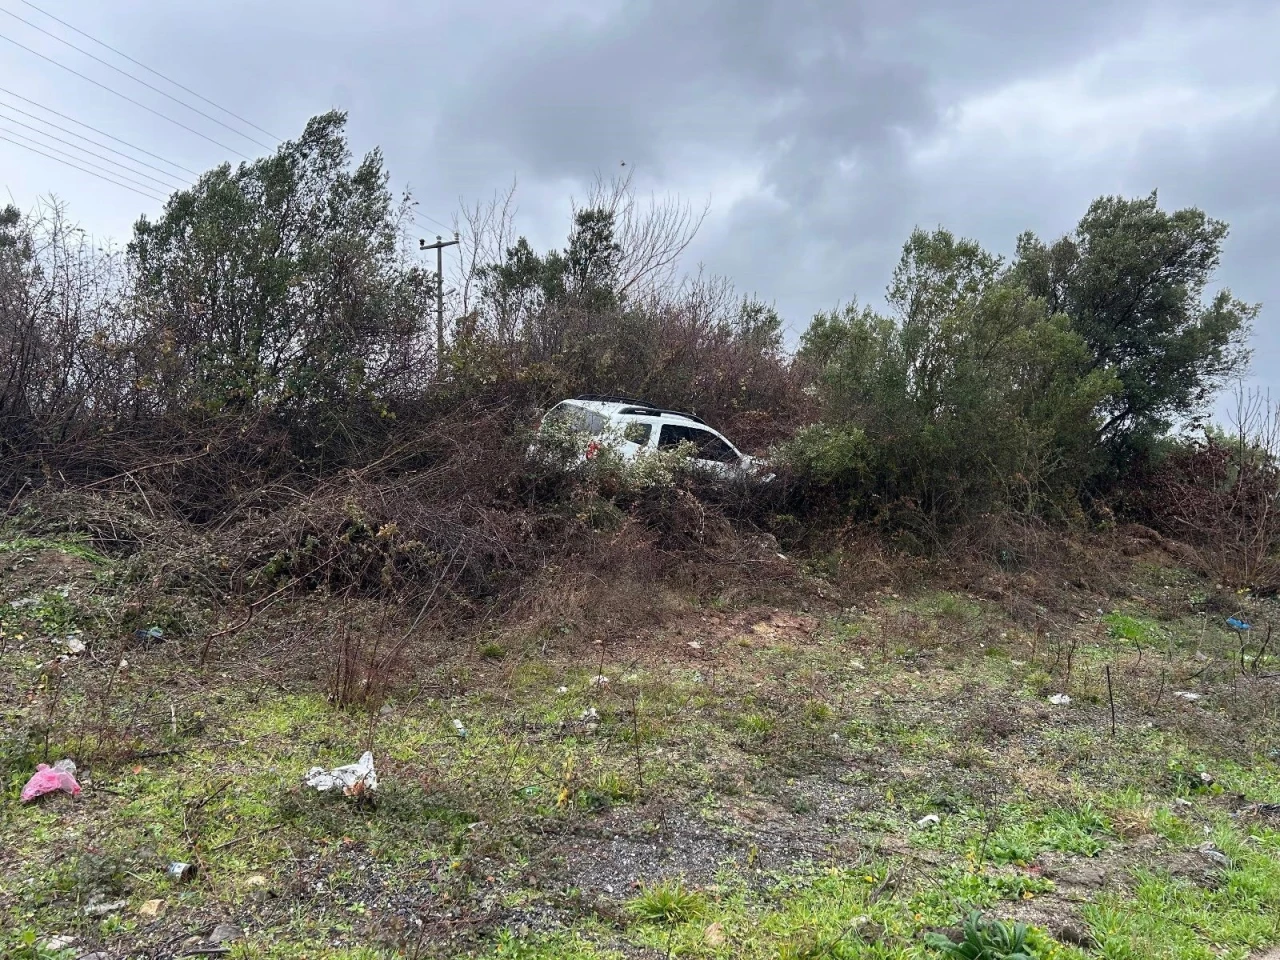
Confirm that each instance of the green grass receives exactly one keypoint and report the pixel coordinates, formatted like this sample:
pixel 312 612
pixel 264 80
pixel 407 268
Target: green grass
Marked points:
pixel 70 547
pixel 1139 630
pixel 738 739
pixel 668 902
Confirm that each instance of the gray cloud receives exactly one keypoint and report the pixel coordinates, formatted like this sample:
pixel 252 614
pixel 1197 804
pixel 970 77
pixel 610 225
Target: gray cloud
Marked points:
pixel 822 132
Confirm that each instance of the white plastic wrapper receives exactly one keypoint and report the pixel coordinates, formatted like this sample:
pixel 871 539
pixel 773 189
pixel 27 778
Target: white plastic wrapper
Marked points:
pixel 355 779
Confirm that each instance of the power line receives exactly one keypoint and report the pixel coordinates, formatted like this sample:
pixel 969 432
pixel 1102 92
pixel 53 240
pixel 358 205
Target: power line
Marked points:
pixel 415 214
pixel 125 73
pixel 114 173
pixel 175 185
pixel 80 136
pixel 82 169
pixel 157 73
pixel 124 96
pixel 78 123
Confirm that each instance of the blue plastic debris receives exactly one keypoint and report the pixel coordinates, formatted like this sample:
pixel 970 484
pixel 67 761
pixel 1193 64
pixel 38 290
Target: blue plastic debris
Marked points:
pixel 150 635
pixel 1237 624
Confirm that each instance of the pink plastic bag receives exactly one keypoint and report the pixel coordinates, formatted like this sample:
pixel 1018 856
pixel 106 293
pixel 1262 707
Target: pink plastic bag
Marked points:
pixel 47 779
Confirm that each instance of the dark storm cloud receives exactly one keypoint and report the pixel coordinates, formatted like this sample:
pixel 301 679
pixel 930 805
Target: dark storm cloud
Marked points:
pixel 822 131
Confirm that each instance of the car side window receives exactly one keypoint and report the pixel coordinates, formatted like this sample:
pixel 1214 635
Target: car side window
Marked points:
pixel 711 447
pixel 708 445
pixel 672 435
pixel 638 433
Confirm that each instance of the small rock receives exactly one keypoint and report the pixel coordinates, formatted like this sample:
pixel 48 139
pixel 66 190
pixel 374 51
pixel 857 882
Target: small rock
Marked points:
pixel 1073 933
pixel 1083 875
pixel 60 942
pixel 562 690
pixel 226 932
pixel 599 680
pixel 75 646
pixel 151 909
pixel 1182 802
pixel 714 935
pixel 259 888
pixel 1060 699
pixel 590 715
pixel 386 710
pixel 694 645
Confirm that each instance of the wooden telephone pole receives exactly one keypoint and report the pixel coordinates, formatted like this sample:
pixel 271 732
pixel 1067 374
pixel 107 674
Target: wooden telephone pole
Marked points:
pixel 438 247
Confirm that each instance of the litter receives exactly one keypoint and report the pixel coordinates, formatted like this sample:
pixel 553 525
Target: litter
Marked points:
pixel 1213 854
pixel 457 725
pixel 932 820
pixel 47 779
pixel 356 779
pixel 180 872
pixel 75 645
pixel 1235 623
pixel 1187 695
pixel 149 635
pixel 590 715
pixel 562 690
pixel 102 909
pixel 1060 699
pixel 599 680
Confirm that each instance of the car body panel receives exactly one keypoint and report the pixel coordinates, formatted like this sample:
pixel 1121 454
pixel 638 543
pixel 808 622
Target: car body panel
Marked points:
pixel 632 429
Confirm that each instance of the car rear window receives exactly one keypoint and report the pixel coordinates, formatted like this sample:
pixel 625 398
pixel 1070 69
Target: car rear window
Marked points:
pixel 570 416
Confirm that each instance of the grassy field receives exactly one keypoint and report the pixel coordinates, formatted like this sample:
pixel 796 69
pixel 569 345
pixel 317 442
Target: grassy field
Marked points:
pixel 820 779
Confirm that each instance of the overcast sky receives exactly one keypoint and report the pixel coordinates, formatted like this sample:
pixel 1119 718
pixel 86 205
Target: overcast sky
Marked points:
pixel 822 131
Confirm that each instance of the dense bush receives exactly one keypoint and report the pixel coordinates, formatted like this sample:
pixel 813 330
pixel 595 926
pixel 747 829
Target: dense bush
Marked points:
pixel 1219 494
pixel 270 342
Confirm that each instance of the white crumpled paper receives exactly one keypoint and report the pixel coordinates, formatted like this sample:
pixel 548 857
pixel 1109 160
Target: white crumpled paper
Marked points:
pixel 355 779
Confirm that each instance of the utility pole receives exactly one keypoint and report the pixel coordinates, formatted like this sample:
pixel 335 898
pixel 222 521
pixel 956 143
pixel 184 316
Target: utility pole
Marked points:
pixel 438 247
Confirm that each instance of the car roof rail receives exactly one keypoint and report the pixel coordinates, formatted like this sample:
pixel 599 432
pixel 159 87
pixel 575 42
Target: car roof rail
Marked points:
pixel 659 411
pixel 688 416
pixel 616 398
pixel 640 407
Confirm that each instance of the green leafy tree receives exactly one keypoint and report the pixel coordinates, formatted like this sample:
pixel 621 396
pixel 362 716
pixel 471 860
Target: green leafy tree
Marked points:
pixel 969 396
pixel 1133 280
pixel 277 284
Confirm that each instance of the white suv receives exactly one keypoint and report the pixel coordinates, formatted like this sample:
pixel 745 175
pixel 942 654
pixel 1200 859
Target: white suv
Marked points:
pixel 632 428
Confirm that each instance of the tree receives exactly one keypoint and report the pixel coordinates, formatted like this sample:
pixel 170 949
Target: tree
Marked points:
pixel 278 284
pixel 970 396
pixel 65 352
pixel 1132 278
